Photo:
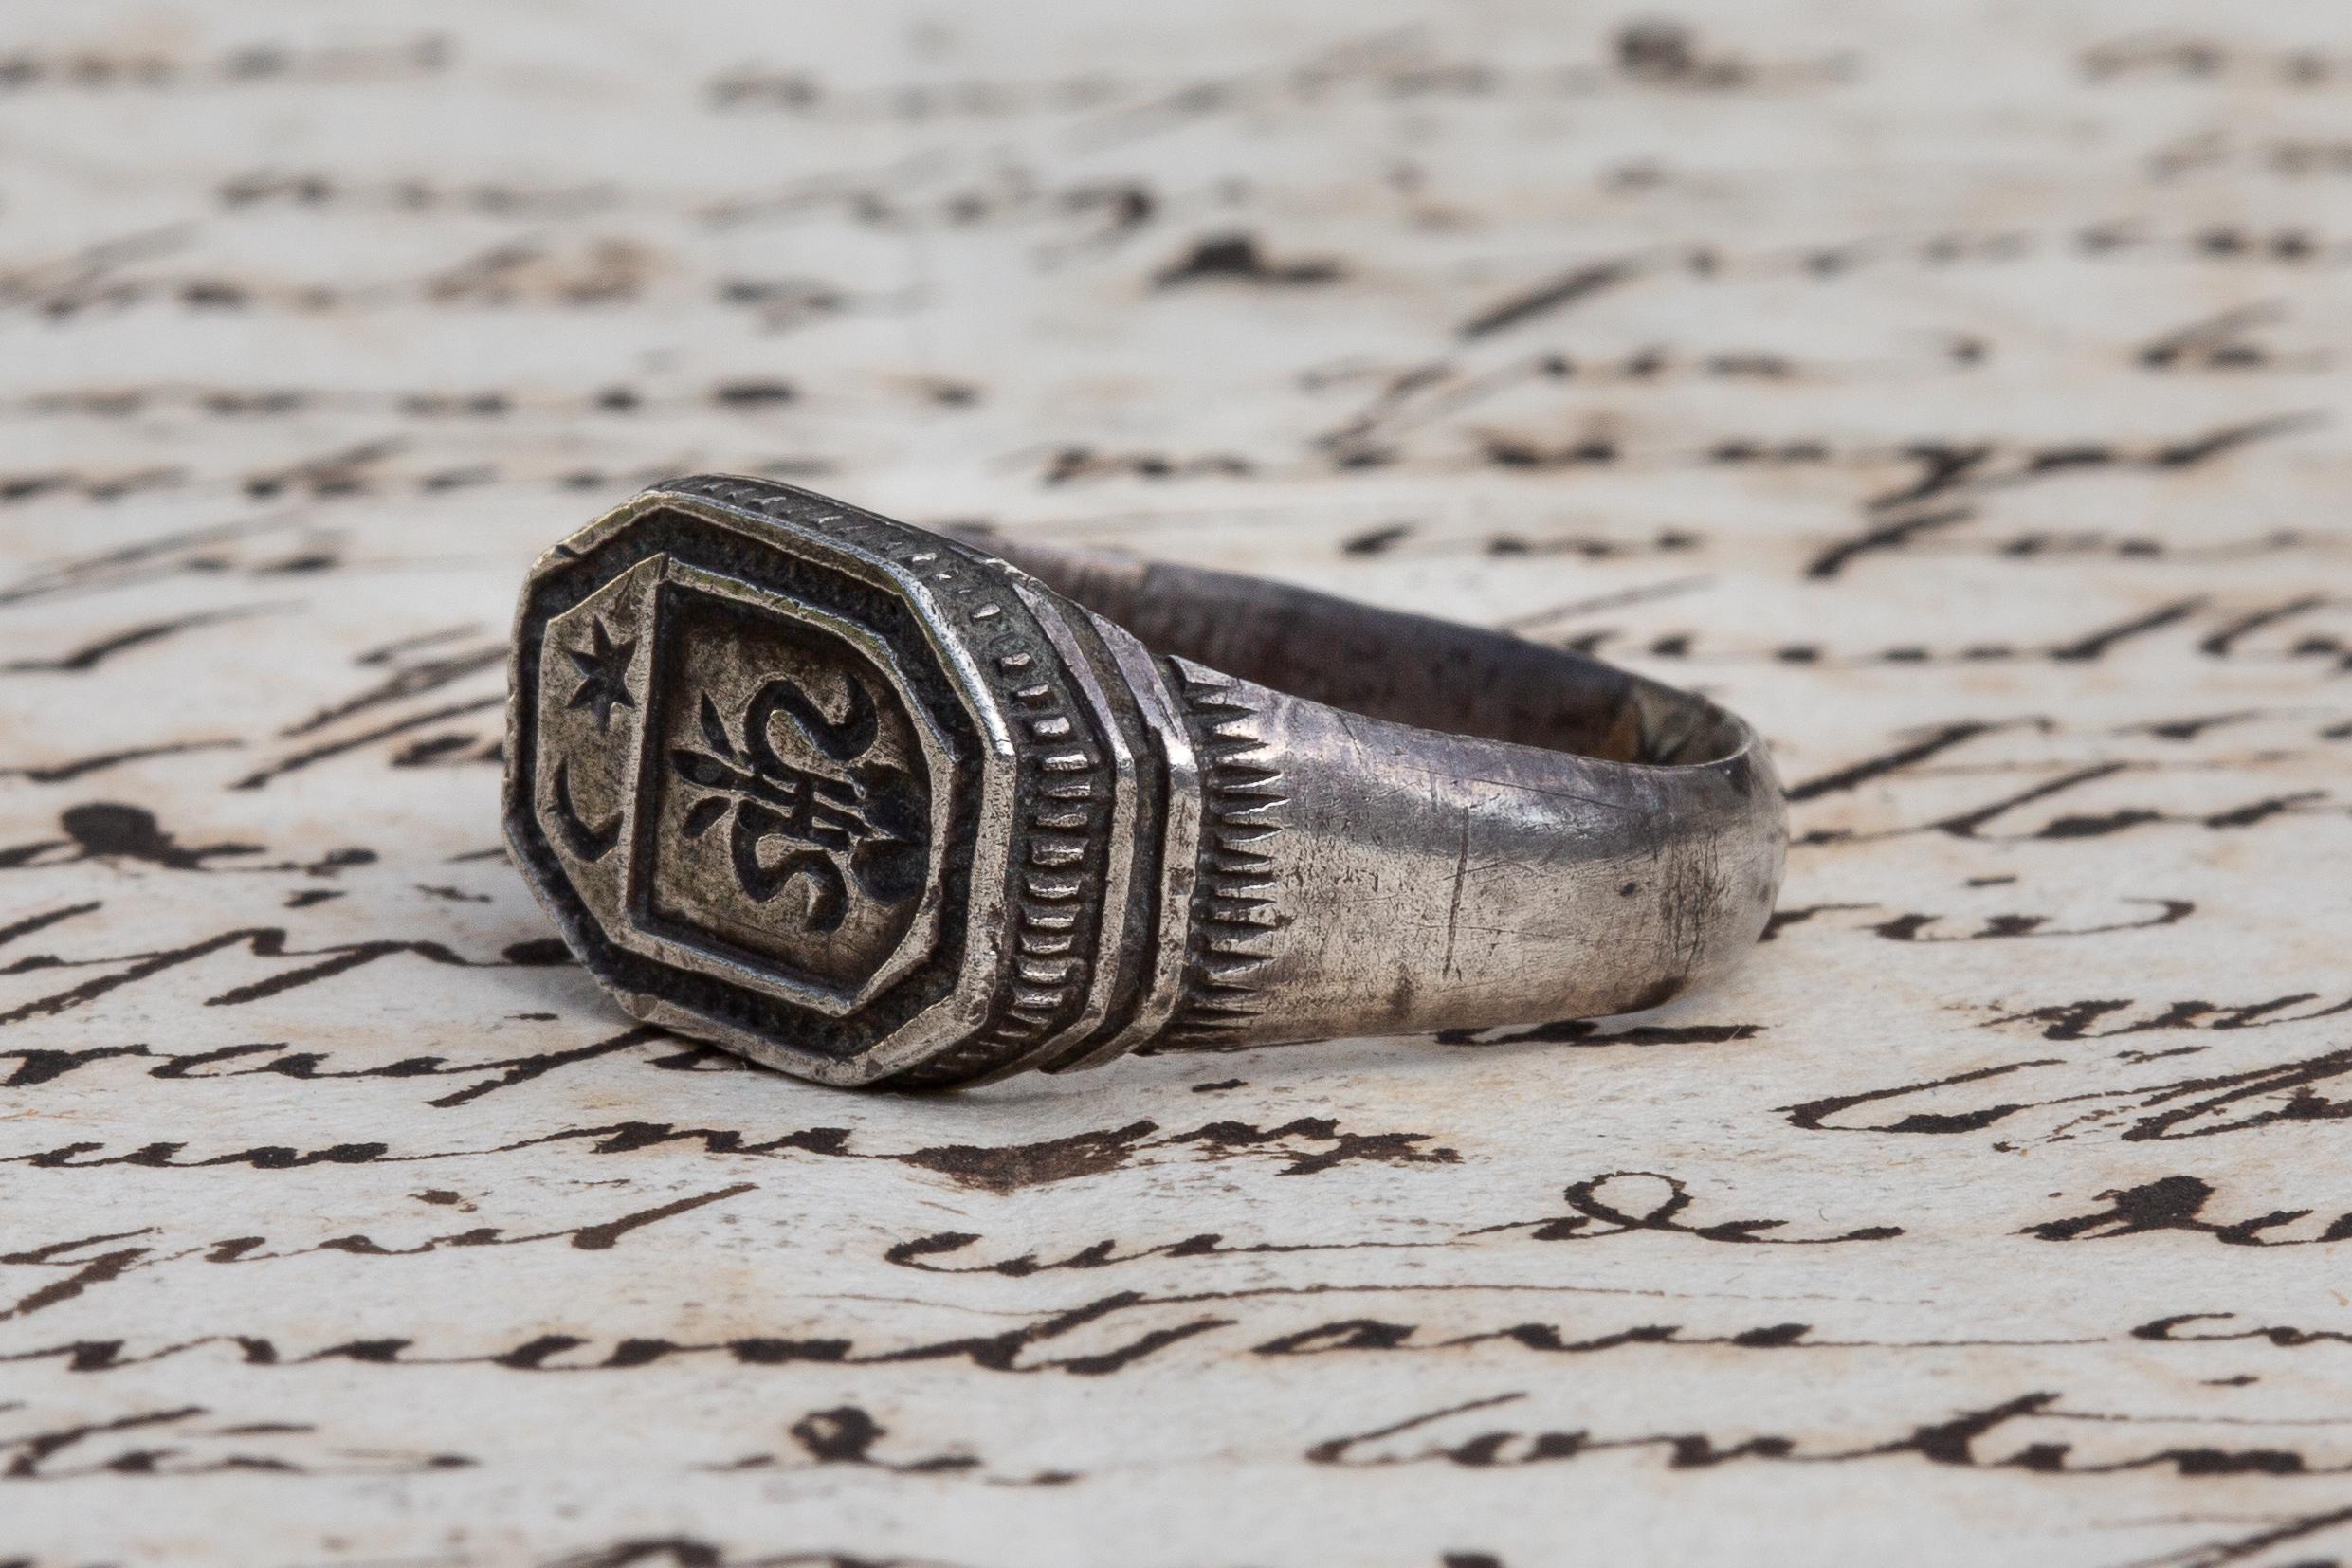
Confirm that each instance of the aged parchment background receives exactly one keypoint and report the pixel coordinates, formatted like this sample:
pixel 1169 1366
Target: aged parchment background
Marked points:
pixel 1953 388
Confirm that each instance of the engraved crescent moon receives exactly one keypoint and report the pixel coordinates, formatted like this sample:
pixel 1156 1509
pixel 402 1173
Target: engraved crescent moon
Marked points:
pixel 590 843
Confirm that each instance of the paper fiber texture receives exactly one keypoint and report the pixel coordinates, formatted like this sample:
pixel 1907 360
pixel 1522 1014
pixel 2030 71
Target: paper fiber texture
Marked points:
pixel 1955 390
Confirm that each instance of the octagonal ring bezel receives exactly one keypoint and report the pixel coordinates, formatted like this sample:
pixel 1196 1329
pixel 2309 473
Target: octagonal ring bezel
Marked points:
pixel 795 528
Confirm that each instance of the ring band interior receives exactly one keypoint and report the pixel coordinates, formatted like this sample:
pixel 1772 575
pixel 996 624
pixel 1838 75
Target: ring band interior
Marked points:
pixel 1410 669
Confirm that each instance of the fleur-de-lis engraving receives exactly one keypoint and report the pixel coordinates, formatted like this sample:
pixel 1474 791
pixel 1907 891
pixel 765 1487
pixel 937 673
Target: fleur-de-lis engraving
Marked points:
pixel 856 822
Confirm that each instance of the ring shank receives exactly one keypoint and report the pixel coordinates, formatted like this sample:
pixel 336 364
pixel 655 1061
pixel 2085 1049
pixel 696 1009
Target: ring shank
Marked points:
pixel 1413 669
pixel 1411 823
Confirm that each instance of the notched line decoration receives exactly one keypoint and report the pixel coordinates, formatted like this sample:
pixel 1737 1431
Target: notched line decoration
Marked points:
pixel 1235 898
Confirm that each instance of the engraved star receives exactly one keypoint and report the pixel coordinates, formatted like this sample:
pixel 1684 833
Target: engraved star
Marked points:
pixel 604 674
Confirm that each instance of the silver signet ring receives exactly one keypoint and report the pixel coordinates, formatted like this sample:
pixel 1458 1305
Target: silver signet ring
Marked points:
pixel 876 806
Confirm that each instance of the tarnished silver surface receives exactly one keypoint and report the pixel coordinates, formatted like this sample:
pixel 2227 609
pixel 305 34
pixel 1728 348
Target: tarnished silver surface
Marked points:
pixel 875 806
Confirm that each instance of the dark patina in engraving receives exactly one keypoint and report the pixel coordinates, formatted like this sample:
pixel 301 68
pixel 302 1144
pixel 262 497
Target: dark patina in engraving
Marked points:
pixel 589 842
pixel 785 814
